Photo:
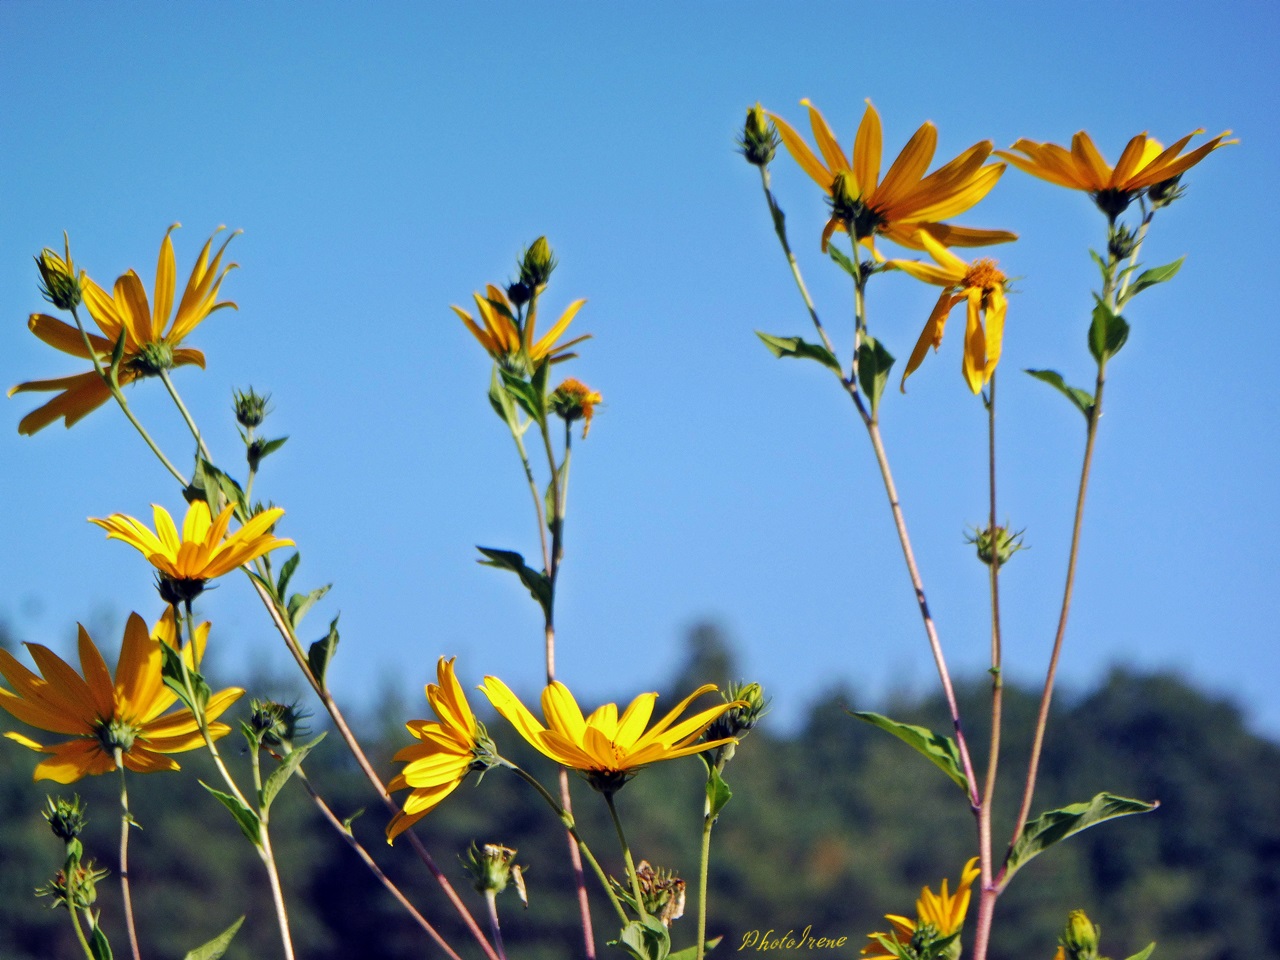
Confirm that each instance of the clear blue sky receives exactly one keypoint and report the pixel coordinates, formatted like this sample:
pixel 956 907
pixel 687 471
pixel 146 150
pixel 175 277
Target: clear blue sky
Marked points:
pixel 386 160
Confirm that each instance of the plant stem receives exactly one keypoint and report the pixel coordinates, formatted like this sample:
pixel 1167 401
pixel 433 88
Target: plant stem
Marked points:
pixel 186 415
pixel 533 492
pixel 626 856
pixel 704 860
pixel 75 919
pixel 491 901
pixel 365 858
pixel 125 895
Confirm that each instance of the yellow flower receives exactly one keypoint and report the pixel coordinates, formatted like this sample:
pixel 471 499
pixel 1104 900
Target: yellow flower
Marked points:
pixel 1143 164
pixel 148 346
pixel 980 285
pixel 607 747
pixel 103 714
pixel 574 400
pixel 943 911
pixel 906 201
pixel 203 551
pixel 451 747
pixel 503 338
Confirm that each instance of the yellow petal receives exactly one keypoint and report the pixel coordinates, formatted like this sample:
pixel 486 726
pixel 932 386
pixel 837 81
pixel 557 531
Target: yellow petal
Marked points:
pixel 801 153
pixel 866 151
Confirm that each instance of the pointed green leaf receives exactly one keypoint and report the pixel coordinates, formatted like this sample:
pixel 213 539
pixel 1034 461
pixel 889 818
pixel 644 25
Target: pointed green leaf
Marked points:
pixel 501 402
pixel 1149 278
pixel 271 446
pixel 796 347
pixel 1056 825
pixel 691 952
pixel 300 603
pixel 346 824
pixel 281 774
pixel 216 947
pixel 117 352
pixel 874 364
pixel 320 653
pixel 522 393
pixel 718 792
pixel 1083 401
pixel 1107 332
pixel 172 671
pixel 246 818
pixel 939 750
pixel 538 584
pixel 645 939
pixel 286 573
pixel 847 265
pixel 1144 953
pixel 99 946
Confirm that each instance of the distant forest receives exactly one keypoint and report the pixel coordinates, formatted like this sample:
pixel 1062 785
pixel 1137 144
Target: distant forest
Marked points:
pixel 832 826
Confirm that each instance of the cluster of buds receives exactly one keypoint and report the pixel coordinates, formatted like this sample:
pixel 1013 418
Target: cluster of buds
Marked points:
pixel 996 543
pixel 81 893
pixel 759 140
pixel 492 866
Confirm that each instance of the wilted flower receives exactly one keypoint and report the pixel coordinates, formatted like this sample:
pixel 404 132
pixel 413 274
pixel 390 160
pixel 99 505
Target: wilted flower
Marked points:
pixel 574 400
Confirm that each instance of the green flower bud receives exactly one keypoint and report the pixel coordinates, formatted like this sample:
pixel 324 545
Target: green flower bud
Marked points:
pixel 1079 938
pixel 739 721
pixel 536 264
pixel 84 891
pixel 759 140
pixel 66 817
pixel 277 725
pixel 59 282
pixel 251 409
pixel 1122 242
pixel 1165 192
pixel 1000 542
pixel 492 867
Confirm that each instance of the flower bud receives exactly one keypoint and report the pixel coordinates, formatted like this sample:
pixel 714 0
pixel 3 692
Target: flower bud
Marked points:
pixel 1079 938
pixel 574 400
pixel 276 724
pixel 661 891
pixel 739 721
pixel 84 881
pixel 536 264
pixel 1122 242
pixel 492 866
pixel 759 140
pixel 59 282
pixel 1000 542
pixel 1165 192
pixel 251 409
pixel 66 817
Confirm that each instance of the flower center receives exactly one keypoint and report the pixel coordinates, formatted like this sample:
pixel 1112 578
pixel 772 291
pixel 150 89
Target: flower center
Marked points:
pixel 984 275
pixel 116 734
pixel 847 206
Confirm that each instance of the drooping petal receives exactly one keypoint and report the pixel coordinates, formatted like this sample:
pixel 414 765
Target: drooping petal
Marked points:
pixel 930 336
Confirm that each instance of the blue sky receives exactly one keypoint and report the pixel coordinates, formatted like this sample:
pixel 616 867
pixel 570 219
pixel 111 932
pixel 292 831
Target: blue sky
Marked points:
pixel 384 161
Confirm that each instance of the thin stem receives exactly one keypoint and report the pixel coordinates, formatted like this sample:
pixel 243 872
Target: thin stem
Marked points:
pixel 75 917
pixel 365 858
pixel 989 892
pixel 253 469
pixel 704 860
pixel 277 894
pixel 186 415
pixel 125 821
pixel 110 380
pixel 626 856
pixel 491 901
pixel 533 492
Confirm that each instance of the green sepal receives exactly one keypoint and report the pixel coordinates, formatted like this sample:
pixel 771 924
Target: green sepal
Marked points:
pixel 1082 400
pixel 216 947
pixel 286 573
pixel 691 951
pixel 845 264
pixel 1149 278
pixel 346 824
pixel 874 364
pixel 500 400
pixel 796 347
pixel 281 774
pixel 1145 952
pixel 1107 332
pixel 538 583
pixel 171 672
pixel 300 603
pixel 718 792
pixel 320 653
pixel 99 946
pixel 249 823
pixel 939 750
pixel 1056 825
pixel 645 939
pixel 117 353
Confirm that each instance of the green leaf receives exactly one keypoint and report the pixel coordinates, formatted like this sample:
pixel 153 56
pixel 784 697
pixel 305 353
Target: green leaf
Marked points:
pixel 246 818
pixel 1149 278
pixel 320 653
pixel 501 402
pixel 645 939
pixel 271 446
pixel 98 944
pixel 117 352
pixel 286 573
pixel 216 947
pixel 795 347
pixel 172 673
pixel 847 265
pixel 1056 825
pixel 538 583
pixel 939 750
pixel 1083 401
pixel 874 364
pixel 718 792
pixel 300 603
pixel 524 395
pixel 346 824
pixel 1107 332
pixel 281 774
pixel 691 951
pixel 1143 954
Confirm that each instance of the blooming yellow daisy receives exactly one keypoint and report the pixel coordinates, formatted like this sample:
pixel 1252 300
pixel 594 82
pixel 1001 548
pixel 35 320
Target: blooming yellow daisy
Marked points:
pixel 945 912
pixel 980 285
pixel 450 748
pixel 906 201
pixel 1143 163
pixel 103 714
pixel 503 338
pixel 203 551
pixel 607 747
pixel 148 346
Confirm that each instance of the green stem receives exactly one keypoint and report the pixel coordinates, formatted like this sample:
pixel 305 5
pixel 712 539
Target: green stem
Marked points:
pixel 110 379
pixel 491 901
pixel 186 415
pixel 125 820
pixel 704 862
pixel 75 919
pixel 626 856
pixel 533 492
